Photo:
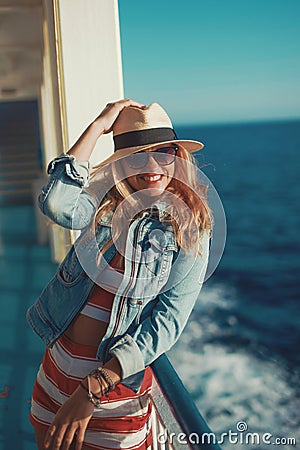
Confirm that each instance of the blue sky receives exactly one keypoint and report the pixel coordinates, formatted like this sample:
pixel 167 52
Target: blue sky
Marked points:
pixel 214 60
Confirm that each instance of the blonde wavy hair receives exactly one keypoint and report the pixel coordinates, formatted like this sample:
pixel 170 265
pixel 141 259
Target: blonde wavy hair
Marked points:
pixel 184 186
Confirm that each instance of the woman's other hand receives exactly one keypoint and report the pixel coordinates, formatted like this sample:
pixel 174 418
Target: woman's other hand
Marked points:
pixel 110 113
pixel 70 422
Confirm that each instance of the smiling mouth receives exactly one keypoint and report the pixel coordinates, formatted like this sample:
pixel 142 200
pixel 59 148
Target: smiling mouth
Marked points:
pixel 152 178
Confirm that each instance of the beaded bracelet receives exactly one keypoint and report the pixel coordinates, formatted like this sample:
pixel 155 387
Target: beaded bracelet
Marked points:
pixel 107 378
pixel 102 373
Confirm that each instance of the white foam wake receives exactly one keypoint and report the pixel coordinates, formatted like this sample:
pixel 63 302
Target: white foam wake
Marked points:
pixel 230 386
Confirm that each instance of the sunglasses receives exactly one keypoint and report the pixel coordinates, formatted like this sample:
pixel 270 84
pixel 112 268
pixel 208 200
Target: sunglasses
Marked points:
pixel 163 156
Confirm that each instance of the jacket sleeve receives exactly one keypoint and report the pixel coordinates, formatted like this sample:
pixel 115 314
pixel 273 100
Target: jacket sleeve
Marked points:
pixel 63 198
pixel 158 332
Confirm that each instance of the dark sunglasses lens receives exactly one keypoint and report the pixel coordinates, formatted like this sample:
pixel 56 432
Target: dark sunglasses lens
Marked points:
pixel 165 155
pixel 137 160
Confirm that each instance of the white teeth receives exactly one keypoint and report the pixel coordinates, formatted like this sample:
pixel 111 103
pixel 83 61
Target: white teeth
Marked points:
pixel 152 178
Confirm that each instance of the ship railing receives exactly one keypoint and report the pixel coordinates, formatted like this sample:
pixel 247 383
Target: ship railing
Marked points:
pixel 176 421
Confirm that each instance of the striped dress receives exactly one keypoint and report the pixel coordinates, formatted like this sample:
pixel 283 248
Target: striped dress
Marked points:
pixel 123 421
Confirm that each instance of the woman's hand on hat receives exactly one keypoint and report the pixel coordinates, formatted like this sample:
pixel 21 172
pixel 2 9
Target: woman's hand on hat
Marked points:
pixel 84 146
pixel 110 113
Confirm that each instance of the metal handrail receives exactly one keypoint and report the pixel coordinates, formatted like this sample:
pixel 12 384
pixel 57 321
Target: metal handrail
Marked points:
pixel 183 409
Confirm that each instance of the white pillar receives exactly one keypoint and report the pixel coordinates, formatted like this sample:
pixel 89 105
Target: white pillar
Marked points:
pixel 91 60
pixel 82 71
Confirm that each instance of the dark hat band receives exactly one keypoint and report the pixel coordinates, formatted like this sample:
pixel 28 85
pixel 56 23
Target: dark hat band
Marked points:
pixel 144 137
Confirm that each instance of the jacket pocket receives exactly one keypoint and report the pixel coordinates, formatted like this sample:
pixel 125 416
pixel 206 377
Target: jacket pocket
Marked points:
pixel 158 262
pixel 60 276
pixel 70 270
pixel 158 247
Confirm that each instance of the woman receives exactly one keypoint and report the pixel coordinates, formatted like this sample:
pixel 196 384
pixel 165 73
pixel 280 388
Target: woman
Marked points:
pixel 125 290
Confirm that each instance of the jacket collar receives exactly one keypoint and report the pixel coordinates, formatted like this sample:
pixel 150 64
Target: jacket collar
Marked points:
pixel 158 210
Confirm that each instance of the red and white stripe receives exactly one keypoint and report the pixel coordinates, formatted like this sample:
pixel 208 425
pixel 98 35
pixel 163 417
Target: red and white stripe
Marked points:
pixel 93 308
pixel 124 418
pixel 101 298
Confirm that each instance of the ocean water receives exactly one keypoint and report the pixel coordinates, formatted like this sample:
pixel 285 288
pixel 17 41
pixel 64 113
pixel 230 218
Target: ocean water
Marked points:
pixel 239 355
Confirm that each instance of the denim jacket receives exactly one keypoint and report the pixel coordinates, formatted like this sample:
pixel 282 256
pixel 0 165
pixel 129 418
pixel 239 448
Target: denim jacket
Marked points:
pixel 154 298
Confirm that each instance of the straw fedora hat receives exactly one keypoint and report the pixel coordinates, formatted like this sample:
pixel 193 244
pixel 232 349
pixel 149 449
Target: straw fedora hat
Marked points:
pixel 138 129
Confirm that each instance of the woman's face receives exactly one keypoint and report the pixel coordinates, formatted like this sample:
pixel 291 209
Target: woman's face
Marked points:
pixel 152 169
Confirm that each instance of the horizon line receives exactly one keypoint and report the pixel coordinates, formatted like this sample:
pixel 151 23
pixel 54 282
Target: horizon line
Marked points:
pixel 239 122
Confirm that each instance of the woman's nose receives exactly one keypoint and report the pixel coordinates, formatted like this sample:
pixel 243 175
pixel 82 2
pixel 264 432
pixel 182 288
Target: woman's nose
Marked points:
pixel 152 163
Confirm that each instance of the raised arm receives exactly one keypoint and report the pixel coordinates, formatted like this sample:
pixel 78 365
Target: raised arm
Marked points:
pixel 84 146
pixel 63 198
